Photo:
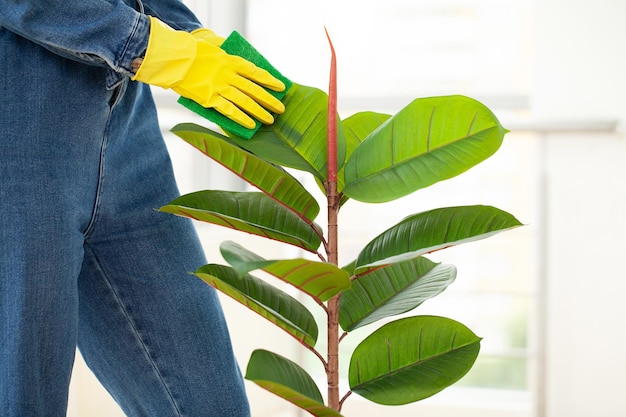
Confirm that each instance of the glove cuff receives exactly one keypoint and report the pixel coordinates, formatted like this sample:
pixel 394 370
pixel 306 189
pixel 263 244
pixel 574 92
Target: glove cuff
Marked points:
pixel 169 55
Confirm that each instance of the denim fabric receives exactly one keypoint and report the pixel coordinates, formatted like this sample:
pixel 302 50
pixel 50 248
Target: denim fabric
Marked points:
pixel 172 12
pixel 98 32
pixel 85 259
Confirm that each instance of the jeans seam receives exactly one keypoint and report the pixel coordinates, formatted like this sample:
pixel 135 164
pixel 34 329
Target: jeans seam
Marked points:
pixel 98 198
pixel 137 336
pixel 116 97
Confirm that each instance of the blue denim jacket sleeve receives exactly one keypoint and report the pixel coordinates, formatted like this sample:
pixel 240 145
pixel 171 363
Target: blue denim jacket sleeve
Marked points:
pixel 106 33
pixel 172 12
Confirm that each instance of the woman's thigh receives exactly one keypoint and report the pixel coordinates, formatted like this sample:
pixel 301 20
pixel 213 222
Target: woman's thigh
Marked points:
pixel 153 333
pixel 53 115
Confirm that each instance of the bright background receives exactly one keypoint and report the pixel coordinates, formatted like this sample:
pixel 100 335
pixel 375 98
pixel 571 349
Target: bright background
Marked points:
pixel 546 298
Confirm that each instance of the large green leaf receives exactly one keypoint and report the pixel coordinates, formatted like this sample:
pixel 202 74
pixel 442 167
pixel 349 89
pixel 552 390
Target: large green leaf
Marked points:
pixel 286 379
pixel 433 230
pixel 411 359
pixel 357 127
pixel 266 300
pixel 249 212
pixel 320 280
pixel 298 137
pixel 269 178
pixel 392 290
pixel 430 140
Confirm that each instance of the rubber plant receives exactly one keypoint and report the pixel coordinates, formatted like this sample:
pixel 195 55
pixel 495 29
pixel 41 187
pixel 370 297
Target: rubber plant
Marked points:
pixel 368 157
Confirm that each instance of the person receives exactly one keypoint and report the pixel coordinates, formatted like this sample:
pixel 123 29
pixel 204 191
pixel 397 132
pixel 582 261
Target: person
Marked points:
pixel 85 259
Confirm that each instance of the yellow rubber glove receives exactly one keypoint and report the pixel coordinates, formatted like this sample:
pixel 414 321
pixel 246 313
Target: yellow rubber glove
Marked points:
pixel 201 71
pixel 208 35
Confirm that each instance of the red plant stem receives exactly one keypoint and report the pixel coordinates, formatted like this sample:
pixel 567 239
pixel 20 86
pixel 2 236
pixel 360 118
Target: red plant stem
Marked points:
pixel 332 116
pixel 332 370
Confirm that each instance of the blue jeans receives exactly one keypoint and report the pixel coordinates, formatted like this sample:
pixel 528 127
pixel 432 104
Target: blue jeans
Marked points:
pixel 87 261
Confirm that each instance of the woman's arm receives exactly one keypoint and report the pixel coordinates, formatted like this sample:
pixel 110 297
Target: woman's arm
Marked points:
pixel 97 32
pixel 173 12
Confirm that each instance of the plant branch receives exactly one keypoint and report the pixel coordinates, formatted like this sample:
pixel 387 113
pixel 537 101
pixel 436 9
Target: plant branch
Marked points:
pixel 319 356
pixel 323 241
pixel 345 397
pixel 321 236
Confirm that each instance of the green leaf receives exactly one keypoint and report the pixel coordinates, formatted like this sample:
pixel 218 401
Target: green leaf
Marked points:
pixel 267 177
pixel 430 140
pixel 241 259
pixel 269 302
pixel 433 230
pixel 411 359
pixel 392 290
pixel 249 212
pixel 320 280
pixel 286 379
pixel 298 137
pixel 357 127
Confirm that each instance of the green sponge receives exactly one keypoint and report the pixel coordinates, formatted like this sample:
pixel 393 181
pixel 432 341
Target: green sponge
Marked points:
pixel 236 44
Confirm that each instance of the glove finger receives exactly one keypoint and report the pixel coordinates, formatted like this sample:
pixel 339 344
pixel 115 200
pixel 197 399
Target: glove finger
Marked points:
pixel 258 75
pixel 259 94
pixel 234 113
pixel 247 104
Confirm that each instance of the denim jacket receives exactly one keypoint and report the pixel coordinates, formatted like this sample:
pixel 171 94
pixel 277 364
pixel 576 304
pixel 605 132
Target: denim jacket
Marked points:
pixel 106 33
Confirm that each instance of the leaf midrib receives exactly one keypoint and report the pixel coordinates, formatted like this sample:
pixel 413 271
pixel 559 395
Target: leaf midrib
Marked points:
pixel 381 377
pixel 395 164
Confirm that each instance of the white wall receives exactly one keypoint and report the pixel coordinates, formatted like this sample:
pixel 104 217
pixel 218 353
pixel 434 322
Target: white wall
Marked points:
pixel 580 67
pixel 586 279
pixel 580 59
